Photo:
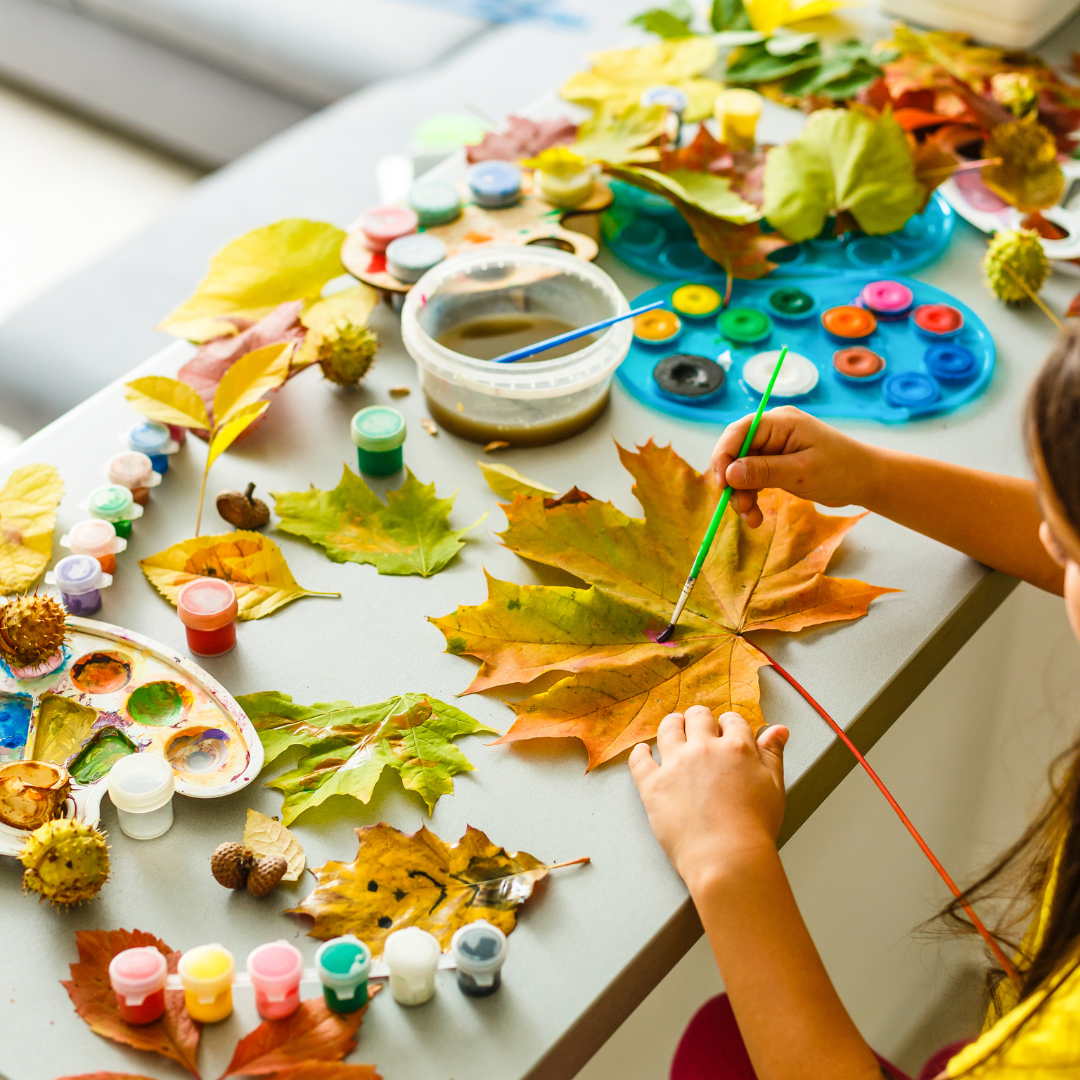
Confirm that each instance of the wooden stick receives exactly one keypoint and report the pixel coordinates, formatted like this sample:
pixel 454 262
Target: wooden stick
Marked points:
pixel 1034 296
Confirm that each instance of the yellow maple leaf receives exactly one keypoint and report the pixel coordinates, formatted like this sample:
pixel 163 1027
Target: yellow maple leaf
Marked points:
pixel 251 562
pixel 28 505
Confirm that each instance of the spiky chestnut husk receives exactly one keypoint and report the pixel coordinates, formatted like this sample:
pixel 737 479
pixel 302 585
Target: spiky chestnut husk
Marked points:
pixel 31 629
pixel 1021 251
pixel 265 875
pixel 66 861
pixel 345 354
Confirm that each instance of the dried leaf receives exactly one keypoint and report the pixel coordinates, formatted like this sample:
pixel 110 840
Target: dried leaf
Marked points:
pixel 168 401
pixel 934 164
pixel 175 1035
pixel 230 431
pixel 409 534
pixel 324 318
pixel 416 879
pixel 522 138
pixel 400 391
pixel 1028 175
pixel 265 836
pixel 495 444
pixel 106 1076
pixel 28 505
pixel 249 277
pixel 620 682
pixel 350 745
pixel 1074 304
pixel 252 562
pixel 249 379
pixel 507 482
pixel 429 426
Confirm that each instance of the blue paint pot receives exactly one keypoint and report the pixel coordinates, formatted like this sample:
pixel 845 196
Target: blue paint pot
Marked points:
pixel 951 363
pixel 494 184
pixel 409 258
pixel 909 390
pixel 153 440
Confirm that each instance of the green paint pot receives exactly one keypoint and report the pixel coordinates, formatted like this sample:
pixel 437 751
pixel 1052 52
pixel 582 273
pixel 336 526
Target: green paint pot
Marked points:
pixel 789 302
pixel 343 964
pixel 378 433
pixel 745 326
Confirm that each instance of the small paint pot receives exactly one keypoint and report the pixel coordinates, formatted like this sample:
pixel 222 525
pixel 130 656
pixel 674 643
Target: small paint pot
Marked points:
pixel 696 301
pixel 275 970
pixel 744 326
pixel 798 375
pixel 888 298
pixel 137 977
pixel 671 97
pixel 858 364
pixel 950 363
pixel 135 471
pixel 156 441
pixel 494 184
pixel 737 112
pixel 382 225
pixel 379 434
pixel 97 538
pixel 409 258
pixel 791 304
pixel 207 607
pixel 207 973
pixel 848 322
pixel 80 580
pixel 434 203
pixel 343 964
pixel 141 788
pixel 566 192
pixel 909 390
pixel 479 950
pixel 693 380
pixel 657 327
pixel 938 321
pixel 412 955
pixel 114 503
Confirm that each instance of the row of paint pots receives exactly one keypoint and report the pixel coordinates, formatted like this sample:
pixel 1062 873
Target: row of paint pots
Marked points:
pixel 207 973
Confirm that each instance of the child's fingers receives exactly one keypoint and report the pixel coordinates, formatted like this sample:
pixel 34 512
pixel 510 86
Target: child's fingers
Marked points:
pixel 734 726
pixel 771 743
pixel 787 471
pixel 700 724
pixel 670 734
pixel 642 763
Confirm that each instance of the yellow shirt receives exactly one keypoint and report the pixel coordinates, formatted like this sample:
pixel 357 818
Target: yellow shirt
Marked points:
pixel 1048 1046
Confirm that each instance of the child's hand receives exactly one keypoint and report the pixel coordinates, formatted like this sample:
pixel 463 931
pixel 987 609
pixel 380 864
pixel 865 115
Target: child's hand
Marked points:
pixel 716 793
pixel 797 452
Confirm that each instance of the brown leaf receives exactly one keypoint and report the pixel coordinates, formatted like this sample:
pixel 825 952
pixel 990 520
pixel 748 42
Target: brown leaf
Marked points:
pixel 267 836
pixel 745 169
pixel 175 1035
pixel 1074 308
pixel 934 164
pixel 400 391
pixel 416 879
pixel 522 138
pixel 495 444
pixel 429 426
pixel 1027 174
pixel 574 495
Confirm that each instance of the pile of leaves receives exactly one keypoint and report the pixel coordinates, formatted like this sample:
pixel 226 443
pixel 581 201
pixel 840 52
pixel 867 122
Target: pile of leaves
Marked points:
pixel 311 1043
pixel 28 503
pixel 617 682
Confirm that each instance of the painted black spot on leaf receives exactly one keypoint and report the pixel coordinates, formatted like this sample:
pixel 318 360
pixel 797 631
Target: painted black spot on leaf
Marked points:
pixel 372 886
pixel 386 922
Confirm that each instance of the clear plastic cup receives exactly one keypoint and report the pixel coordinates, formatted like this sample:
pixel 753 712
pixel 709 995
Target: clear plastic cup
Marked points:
pixel 141 788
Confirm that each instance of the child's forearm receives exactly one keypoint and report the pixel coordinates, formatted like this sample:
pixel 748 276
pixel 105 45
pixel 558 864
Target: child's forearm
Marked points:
pixel 793 1023
pixel 993 518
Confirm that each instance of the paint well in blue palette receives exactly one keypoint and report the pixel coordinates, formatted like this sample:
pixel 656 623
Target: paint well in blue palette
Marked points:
pixel 15 712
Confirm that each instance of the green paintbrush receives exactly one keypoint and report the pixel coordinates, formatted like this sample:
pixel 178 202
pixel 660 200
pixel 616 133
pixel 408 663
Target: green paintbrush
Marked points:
pixel 721 506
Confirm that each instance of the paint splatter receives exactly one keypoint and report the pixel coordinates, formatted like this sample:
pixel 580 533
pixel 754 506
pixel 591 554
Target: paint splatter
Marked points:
pixel 101 672
pixel 199 750
pixel 62 727
pixel 15 712
pixel 159 704
pixel 100 755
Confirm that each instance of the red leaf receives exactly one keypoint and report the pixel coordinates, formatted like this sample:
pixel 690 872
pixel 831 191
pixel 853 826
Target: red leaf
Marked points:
pixel 175 1035
pixel 913 119
pixel 109 1076
pixel 312 1034
pixel 745 169
pixel 323 1070
pixel 521 138
pixel 1074 307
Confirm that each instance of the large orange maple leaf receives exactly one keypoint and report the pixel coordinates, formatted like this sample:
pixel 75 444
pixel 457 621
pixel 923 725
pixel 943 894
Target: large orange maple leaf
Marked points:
pixel 621 682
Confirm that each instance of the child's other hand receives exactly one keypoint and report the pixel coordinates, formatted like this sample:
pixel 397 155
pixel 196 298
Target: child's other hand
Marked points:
pixel 797 452
pixel 717 792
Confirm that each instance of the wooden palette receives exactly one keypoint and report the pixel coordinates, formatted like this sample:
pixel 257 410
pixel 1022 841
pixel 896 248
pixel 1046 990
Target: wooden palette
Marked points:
pixel 119 693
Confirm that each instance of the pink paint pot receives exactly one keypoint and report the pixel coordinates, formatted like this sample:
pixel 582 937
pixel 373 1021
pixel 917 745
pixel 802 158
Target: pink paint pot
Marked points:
pixel 937 321
pixel 887 298
pixel 207 607
pixel 382 225
pixel 137 977
pixel 275 970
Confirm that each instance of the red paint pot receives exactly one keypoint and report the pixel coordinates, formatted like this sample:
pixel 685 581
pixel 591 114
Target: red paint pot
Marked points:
pixel 857 362
pixel 938 320
pixel 137 977
pixel 848 321
pixel 207 607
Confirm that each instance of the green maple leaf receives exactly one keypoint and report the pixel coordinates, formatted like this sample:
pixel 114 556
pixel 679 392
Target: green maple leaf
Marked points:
pixel 349 746
pixel 408 534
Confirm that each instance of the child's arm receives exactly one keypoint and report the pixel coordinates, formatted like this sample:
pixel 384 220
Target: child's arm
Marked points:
pixel 994 519
pixel 715 803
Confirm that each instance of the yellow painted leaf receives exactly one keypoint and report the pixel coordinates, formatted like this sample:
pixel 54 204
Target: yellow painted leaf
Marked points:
pixel 252 562
pixel 416 879
pixel 227 434
pixel 252 376
pixel 28 505
pixel 769 15
pixel 267 836
pixel 168 401
pixel 507 482
pixel 326 317
pixel 290 260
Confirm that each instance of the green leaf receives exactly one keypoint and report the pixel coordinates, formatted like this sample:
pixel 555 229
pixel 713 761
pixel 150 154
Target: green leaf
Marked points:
pixel 623 136
pixel 843 161
pixel 847 69
pixel 710 193
pixel 350 746
pixel 168 401
pixel 665 22
pixel 755 64
pixel 729 15
pixel 410 534
pixel 507 482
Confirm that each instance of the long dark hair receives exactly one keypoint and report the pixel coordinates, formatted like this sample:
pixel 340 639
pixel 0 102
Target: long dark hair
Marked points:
pixel 1051 843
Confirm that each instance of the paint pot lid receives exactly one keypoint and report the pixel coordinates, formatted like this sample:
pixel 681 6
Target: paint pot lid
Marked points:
pixel 696 301
pixel 791 301
pixel 137 973
pixel 858 362
pixel 670 96
pixel 948 361
pixel 342 962
pixel 938 318
pixel 275 968
pixel 744 325
pixel 690 377
pixel 798 375
pixel 739 102
pixel 479 947
pixel 411 950
pixel 381 224
pixel 78 574
pixel 113 502
pixel 887 297
pixel 94 536
pixel 132 469
pixel 657 326
pixel 206 970
pixel 151 438
pixel 206 604
pixel 140 783
pixel 434 202
pixel 494 179
pixel 378 428
pixel 909 390
pixel 849 321
pixel 409 258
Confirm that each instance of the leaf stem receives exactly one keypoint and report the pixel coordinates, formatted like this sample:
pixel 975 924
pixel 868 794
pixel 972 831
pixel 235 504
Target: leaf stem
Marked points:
pixel 202 492
pixel 995 948
pixel 727 291
pixel 1034 296
pixel 572 862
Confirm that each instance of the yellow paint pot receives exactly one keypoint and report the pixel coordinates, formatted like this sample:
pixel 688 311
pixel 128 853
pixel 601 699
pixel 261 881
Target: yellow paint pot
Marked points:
pixel 696 301
pixel 207 974
pixel 657 327
pixel 737 112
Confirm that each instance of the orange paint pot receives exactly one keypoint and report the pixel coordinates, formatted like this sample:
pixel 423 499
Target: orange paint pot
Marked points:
pixel 657 327
pixel 858 362
pixel 848 321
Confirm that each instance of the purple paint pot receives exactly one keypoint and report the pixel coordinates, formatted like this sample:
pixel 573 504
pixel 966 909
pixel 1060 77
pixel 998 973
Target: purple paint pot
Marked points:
pixel 80 580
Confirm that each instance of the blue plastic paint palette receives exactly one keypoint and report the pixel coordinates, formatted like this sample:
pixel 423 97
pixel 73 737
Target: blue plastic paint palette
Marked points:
pixel 649 234
pixel 899 373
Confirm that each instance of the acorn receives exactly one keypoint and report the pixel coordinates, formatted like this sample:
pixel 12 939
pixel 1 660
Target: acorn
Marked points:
pixel 241 510
pixel 265 874
pixel 231 864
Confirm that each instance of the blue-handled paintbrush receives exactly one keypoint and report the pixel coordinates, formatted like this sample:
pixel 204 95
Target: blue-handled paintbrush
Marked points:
pixel 721 506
